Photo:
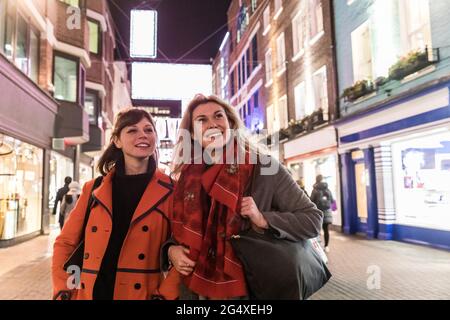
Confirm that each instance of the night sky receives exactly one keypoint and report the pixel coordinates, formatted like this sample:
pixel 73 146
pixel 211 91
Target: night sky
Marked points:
pixel 182 25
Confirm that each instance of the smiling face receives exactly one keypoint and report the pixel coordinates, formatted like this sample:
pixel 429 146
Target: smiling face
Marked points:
pixel 210 124
pixel 137 141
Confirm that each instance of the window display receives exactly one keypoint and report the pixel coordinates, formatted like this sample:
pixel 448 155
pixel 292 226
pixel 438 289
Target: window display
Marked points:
pixel 20 188
pixel 421 179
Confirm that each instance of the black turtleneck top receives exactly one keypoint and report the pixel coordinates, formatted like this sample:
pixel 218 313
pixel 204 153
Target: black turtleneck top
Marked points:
pixel 127 191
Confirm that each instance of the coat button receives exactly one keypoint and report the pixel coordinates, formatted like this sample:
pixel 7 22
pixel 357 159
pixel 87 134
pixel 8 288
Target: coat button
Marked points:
pixel 211 253
pixel 145 228
pixel 94 229
pixel 137 286
pixel 86 256
pixel 141 256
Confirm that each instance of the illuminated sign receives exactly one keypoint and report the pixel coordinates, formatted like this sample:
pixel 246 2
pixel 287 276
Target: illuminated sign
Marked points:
pixel 165 81
pixel 143 40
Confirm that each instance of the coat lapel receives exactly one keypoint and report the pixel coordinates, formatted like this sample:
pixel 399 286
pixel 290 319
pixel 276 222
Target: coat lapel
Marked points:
pixel 103 194
pixel 156 192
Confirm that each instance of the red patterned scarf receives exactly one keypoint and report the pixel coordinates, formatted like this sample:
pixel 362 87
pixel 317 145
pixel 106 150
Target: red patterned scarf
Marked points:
pixel 218 272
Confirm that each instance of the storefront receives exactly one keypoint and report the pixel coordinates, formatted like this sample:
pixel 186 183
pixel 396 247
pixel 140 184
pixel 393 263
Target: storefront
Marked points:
pixel 21 169
pixel 314 154
pixel 396 169
pixel 27 121
pixel 421 168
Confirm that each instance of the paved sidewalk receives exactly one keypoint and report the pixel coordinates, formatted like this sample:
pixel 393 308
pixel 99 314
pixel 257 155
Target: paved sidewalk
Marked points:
pixel 405 271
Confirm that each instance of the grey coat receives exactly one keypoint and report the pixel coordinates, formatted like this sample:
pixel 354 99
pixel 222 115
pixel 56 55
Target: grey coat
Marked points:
pixel 288 211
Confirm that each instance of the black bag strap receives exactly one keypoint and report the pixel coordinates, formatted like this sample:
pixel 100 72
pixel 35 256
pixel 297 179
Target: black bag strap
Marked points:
pixel 97 183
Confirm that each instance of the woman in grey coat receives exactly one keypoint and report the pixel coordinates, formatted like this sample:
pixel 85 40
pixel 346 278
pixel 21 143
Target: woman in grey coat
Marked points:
pixel 210 195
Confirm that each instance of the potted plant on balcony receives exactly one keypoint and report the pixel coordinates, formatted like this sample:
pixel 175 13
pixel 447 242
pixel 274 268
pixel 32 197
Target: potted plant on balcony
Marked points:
pixel 284 134
pixel 412 62
pixel 358 90
pixel 317 117
pixel 295 127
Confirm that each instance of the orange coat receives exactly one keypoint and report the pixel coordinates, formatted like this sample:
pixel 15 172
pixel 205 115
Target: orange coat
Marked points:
pixel 138 276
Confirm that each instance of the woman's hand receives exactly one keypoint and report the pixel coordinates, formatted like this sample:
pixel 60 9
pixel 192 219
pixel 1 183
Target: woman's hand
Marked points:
pixel 250 210
pixel 178 255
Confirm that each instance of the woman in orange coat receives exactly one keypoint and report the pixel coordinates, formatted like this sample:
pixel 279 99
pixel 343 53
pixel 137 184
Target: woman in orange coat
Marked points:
pixel 127 224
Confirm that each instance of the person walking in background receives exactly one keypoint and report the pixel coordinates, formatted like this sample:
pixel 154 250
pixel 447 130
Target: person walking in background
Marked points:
pixel 59 198
pixel 69 201
pixel 323 199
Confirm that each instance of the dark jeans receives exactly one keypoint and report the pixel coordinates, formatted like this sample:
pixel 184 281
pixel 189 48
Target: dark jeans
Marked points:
pixel 326 233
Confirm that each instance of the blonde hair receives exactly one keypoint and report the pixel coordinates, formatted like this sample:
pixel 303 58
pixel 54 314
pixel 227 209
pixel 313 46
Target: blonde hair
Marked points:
pixel 242 136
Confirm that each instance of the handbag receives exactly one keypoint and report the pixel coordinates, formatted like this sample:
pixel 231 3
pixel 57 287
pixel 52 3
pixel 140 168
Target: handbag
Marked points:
pixel 76 258
pixel 278 268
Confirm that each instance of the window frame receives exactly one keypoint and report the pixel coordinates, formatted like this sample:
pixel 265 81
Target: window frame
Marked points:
pixel 78 63
pixel 266 19
pixel 281 65
pixel 269 67
pixel 100 38
pixel 97 105
pixel 356 35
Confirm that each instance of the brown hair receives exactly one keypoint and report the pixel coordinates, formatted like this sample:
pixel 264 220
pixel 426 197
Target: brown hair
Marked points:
pixel 125 118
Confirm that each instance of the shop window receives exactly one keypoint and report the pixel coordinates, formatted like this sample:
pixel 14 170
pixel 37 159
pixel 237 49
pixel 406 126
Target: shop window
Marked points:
pixel 20 188
pixel 416 24
pixel 281 54
pixel 421 171
pixel 94 37
pixel 65 78
pixel 362 53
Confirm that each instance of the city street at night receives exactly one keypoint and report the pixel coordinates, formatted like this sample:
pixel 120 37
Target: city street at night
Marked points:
pixel 224 150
